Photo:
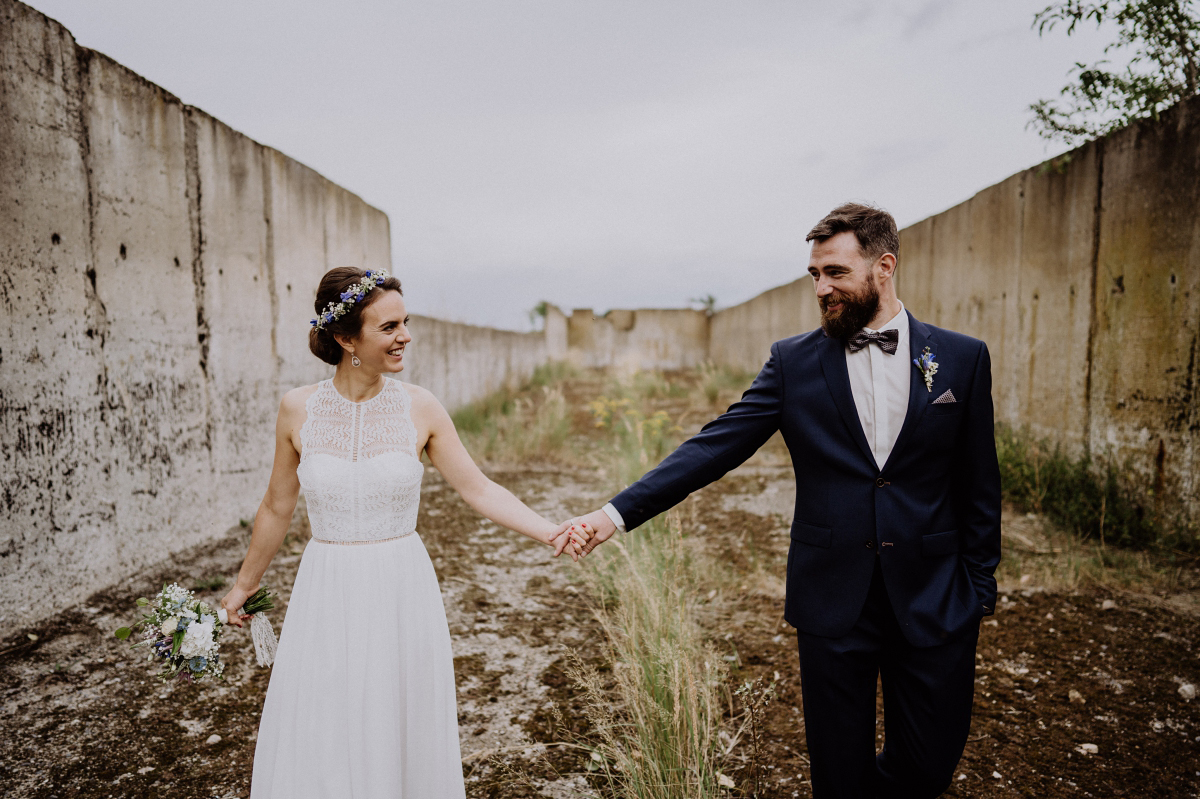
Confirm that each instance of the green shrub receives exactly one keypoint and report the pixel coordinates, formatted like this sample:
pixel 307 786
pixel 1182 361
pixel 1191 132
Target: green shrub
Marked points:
pixel 1092 498
pixel 549 374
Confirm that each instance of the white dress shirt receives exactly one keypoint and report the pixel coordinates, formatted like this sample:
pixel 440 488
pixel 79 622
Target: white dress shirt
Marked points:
pixel 879 384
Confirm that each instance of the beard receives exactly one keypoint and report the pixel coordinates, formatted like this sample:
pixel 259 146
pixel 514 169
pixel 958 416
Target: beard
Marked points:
pixel 856 311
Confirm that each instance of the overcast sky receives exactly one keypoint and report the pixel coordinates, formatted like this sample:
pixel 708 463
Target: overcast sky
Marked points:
pixel 614 153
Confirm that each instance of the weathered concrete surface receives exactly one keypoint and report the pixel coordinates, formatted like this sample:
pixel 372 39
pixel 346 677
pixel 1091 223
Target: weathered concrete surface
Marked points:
pixel 52 327
pixel 1142 403
pixel 642 339
pixel 462 363
pixel 1049 385
pixel 742 335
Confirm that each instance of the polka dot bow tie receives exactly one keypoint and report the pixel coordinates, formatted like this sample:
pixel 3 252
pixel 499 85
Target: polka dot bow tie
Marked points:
pixel 886 339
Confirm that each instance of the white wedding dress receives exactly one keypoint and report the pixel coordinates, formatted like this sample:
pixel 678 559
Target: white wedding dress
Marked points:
pixel 361 701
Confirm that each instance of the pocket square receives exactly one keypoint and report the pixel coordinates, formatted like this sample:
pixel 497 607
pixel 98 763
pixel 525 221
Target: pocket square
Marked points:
pixel 946 398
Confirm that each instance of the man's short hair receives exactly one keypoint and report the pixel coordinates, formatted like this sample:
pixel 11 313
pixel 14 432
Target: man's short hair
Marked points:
pixel 874 228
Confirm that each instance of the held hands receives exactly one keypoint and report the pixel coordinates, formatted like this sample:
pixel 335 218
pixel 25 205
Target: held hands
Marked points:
pixel 568 537
pixel 584 534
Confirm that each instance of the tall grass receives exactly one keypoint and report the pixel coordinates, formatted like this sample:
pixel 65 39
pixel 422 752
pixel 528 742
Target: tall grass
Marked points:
pixel 656 726
pixel 718 380
pixel 636 438
pixel 512 427
pixel 658 739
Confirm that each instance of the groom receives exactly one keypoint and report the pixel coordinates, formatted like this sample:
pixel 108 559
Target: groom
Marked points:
pixel 896 532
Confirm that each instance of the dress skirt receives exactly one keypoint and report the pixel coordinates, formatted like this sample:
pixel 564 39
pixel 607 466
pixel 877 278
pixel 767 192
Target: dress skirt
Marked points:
pixel 361 703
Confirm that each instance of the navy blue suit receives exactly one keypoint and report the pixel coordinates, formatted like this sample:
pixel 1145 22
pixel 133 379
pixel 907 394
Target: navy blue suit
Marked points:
pixel 900 557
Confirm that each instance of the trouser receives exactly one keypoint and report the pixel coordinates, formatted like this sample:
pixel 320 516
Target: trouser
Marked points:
pixel 927 696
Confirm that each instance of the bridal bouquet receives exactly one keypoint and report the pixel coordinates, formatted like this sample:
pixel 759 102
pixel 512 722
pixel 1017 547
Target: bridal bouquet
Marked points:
pixel 180 631
pixel 185 634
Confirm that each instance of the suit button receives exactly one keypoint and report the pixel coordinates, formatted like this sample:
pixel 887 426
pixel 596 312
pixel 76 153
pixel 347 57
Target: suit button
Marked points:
pixel 881 482
pixel 870 545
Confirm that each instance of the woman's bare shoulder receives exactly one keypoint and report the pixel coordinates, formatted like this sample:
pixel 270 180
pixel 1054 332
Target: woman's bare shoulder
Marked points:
pixel 423 400
pixel 293 401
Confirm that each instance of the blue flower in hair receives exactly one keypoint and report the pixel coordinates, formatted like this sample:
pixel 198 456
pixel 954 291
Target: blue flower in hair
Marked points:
pixel 347 294
pixel 368 273
pixel 313 322
pixel 359 296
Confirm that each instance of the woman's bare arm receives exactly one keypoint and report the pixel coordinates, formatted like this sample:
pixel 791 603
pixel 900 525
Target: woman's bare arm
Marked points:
pixel 275 512
pixel 450 457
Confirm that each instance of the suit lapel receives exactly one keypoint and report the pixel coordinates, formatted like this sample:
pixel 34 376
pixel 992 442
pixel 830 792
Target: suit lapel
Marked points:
pixel 837 377
pixel 919 337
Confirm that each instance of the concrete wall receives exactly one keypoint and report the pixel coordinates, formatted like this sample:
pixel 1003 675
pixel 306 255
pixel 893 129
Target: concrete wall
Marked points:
pixel 642 339
pixel 1083 275
pixel 462 363
pixel 742 334
pixel 157 273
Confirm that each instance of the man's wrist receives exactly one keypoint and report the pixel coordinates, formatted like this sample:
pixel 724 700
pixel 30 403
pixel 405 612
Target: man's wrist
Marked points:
pixel 615 515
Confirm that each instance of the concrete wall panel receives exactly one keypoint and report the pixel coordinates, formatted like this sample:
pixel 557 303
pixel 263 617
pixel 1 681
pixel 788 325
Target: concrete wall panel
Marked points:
pixel 153 388
pixel 742 335
pixel 642 339
pixel 1057 246
pixel 53 437
pixel 238 308
pixel 1147 305
pixel 297 222
pixel 463 363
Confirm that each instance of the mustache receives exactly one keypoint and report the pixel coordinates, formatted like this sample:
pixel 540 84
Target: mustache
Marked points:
pixel 833 299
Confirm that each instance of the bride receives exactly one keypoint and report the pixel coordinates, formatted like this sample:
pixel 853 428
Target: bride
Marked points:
pixel 361 699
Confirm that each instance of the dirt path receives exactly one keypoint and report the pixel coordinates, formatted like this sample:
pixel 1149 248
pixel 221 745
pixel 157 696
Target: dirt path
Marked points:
pixel 1057 671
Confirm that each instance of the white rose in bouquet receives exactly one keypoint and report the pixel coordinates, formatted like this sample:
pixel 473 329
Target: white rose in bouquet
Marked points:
pixel 168 626
pixel 197 641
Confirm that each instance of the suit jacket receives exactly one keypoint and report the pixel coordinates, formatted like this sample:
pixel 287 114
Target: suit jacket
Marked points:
pixel 931 515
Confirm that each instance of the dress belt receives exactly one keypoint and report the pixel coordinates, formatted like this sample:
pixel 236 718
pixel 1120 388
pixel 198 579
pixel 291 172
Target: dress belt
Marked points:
pixel 360 543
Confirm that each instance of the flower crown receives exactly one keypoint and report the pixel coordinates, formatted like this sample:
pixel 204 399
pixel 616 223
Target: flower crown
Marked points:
pixel 336 310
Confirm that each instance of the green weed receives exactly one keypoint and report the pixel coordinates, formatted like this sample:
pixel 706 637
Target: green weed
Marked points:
pixel 1094 499
pixel 717 380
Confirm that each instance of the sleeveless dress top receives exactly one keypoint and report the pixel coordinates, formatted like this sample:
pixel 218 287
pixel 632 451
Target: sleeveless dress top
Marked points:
pixel 361 703
pixel 359 466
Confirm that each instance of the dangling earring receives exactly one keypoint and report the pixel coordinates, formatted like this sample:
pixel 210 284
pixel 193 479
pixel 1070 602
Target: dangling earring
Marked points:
pixel 354 360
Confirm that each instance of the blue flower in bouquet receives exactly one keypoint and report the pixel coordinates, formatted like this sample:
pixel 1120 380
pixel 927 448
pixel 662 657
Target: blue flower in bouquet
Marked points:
pixel 197 663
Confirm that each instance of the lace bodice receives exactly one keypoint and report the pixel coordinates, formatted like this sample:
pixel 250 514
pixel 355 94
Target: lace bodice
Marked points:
pixel 359 466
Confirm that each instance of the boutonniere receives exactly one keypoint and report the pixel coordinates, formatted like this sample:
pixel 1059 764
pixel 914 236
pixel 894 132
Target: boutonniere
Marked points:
pixel 928 367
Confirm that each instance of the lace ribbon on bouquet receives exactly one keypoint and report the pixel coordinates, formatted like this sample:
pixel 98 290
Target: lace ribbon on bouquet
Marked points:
pixel 261 633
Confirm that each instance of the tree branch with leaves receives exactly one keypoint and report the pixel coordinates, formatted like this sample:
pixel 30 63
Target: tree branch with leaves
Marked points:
pixel 1164 68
